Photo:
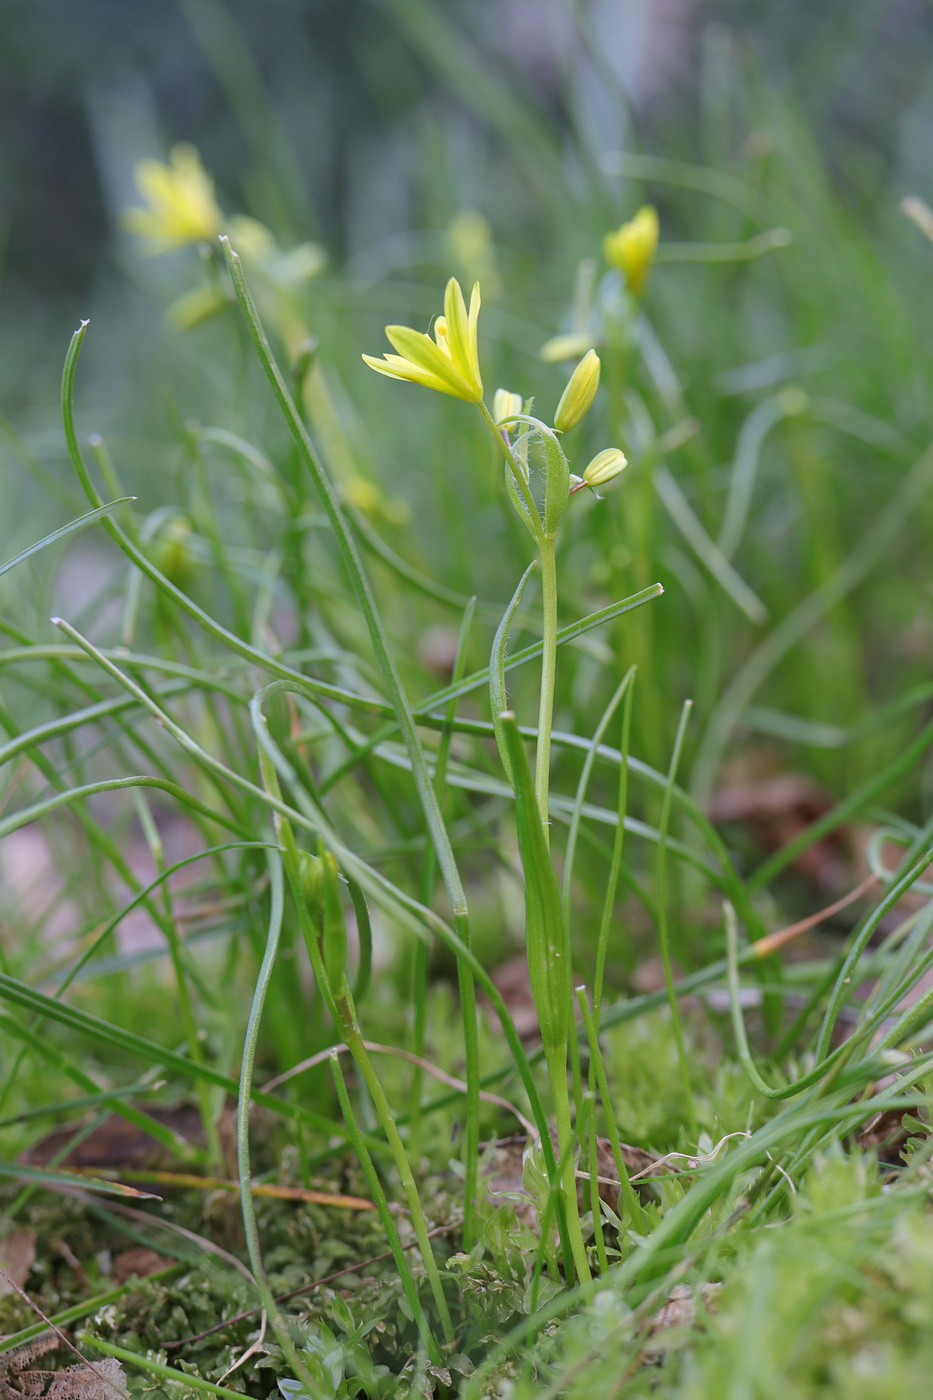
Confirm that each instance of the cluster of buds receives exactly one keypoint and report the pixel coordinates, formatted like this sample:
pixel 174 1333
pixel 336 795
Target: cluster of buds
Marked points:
pixel 575 403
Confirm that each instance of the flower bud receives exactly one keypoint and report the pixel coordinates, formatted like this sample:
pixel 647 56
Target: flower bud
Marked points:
pixel 577 399
pixel 173 553
pixel 311 879
pixel 505 404
pixel 604 466
pixel 632 247
pixel 319 880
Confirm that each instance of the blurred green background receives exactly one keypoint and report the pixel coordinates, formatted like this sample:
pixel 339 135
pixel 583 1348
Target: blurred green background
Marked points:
pixel 370 127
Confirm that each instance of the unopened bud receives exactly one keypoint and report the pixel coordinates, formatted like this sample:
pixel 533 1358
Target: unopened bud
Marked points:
pixel 505 404
pixel 604 466
pixel 632 247
pixel 577 399
pixel 311 878
pixel 173 553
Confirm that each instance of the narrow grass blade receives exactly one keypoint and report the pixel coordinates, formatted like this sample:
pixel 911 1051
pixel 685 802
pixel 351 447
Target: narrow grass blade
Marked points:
pixel 706 549
pixel 498 698
pixel 578 802
pixel 870 551
pixel 549 971
pixel 830 821
pixel 615 865
pixel 81 1310
pixel 105 1033
pixel 379 1197
pixel 66 530
pixel 158 1368
pixel 663 825
pixel 47 1176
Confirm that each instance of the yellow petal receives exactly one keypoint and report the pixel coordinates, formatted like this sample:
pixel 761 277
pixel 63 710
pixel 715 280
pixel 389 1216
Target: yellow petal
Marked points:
pixel 423 353
pixel 455 315
pixel 395 367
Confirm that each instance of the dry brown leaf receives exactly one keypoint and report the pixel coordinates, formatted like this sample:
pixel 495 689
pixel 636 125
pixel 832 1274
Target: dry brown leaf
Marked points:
pixel 777 809
pixel 139 1261
pixel 17 1256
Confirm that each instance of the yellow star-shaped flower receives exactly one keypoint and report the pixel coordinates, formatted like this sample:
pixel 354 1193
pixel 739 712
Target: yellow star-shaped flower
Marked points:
pixel 180 196
pixel 632 247
pixel 449 362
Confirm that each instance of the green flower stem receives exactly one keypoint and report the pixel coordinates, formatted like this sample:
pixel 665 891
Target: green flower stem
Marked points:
pixel 382 1205
pixel 244 1098
pixel 627 1192
pixel 548 675
pixel 434 821
pixel 663 826
pixel 185 1007
pixel 354 1042
pixel 521 481
pixel 340 1005
pixel 593 1168
pixel 560 1095
pixel 547 555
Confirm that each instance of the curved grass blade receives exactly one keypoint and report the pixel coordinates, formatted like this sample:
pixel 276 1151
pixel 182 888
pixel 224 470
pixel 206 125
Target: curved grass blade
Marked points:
pixel 66 530
pixel 873 547
pixel 106 1033
pixel 244 1100
pixel 615 864
pixel 583 784
pixel 705 548
pixel 46 1176
pixel 498 698
pixel 550 973
pixel 663 826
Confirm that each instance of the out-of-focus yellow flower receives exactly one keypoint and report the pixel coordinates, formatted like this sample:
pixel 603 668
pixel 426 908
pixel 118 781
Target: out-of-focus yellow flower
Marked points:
pixel 250 239
pixel 284 268
pixel 195 307
pixel 366 497
pixel 631 248
pixel 181 204
pixel 449 362
pixel 473 252
pixel 567 347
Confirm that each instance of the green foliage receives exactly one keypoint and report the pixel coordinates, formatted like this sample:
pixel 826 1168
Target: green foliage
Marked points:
pixel 255 816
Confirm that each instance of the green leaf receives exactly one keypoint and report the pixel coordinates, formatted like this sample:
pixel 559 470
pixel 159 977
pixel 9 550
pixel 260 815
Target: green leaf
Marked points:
pixel 70 529
pixel 498 699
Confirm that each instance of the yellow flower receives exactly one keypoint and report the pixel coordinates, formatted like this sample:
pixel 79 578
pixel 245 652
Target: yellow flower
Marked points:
pixel 180 196
pixel 632 247
pixel 449 362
